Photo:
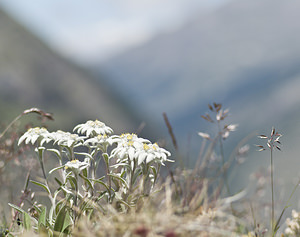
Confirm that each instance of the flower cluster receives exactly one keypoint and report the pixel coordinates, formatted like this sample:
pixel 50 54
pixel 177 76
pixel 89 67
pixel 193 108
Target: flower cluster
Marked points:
pixel 129 146
pixel 35 134
pixel 136 149
pixel 66 139
pixel 42 135
pixel 273 141
pixel 293 225
pixel 93 128
pixel 76 166
pixel 220 115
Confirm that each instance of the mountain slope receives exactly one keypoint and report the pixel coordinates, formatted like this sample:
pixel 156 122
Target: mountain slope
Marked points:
pixel 243 48
pixel 32 75
pixel 245 55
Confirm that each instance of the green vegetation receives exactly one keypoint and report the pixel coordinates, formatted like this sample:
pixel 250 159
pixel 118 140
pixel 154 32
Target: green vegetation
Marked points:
pixel 94 183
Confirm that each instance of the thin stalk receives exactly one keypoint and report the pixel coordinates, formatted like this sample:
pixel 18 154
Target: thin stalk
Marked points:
pixel 76 190
pixel 272 190
pixel 41 160
pixel 223 159
pixel 132 171
pixel 106 159
pixel 11 123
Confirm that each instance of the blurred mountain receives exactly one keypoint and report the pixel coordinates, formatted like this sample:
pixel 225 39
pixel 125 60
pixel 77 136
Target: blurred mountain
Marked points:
pixel 245 55
pixel 32 75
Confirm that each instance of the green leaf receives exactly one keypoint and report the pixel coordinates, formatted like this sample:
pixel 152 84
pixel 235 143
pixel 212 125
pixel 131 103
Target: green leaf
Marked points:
pixel 87 181
pixel 57 153
pixel 154 171
pixel 57 168
pixel 42 219
pixel 120 179
pixel 100 182
pixel 84 154
pixel 106 158
pixel 41 185
pixel 72 181
pixel 16 208
pixel 27 221
pixel 27 181
pixel 58 181
pixel 63 221
pixel 136 174
pixel 85 173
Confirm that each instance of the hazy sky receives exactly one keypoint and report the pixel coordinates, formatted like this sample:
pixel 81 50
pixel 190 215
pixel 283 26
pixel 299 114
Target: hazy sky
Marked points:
pixel 90 29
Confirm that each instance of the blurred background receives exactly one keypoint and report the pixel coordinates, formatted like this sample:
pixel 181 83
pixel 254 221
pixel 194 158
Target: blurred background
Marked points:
pixel 125 62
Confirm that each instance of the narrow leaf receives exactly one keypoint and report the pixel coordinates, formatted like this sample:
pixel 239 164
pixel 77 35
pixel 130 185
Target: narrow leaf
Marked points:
pixel 63 220
pixel 57 153
pixel 16 208
pixel 87 181
pixel 101 182
pixel 41 185
pixel 57 168
pixel 27 181
pixel 42 219
pixel 84 154
pixel 26 221
pixel 119 178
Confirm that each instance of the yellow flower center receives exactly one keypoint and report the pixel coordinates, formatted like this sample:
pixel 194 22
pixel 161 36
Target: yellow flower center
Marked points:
pixel 146 147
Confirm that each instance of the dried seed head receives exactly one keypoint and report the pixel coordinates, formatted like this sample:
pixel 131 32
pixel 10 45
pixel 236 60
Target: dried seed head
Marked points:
pixel 272 132
pixel 261 148
pixel 207 118
pixel 263 136
pixel 274 138
pixel 217 107
pixel 204 135
pixel 278 148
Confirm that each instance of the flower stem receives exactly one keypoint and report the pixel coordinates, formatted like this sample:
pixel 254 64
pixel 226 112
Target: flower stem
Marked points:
pixel 106 159
pixel 223 159
pixel 272 190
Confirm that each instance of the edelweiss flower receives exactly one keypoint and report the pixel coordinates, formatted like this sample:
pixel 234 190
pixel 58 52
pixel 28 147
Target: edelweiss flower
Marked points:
pixel 93 128
pixel 34 134
pixel 100 140
pixel 66 139
pixel 151 152
pixel 127 145
pixel 140 149
pixel 76 166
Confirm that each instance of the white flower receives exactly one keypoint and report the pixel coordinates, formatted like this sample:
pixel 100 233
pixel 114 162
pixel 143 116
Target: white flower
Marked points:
pixel 76 166
pixel 138 149
pixel 127 145
pixel 66 139
pixel 34 134
pixel 100 140
pixel 93 128
pixel 151 152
